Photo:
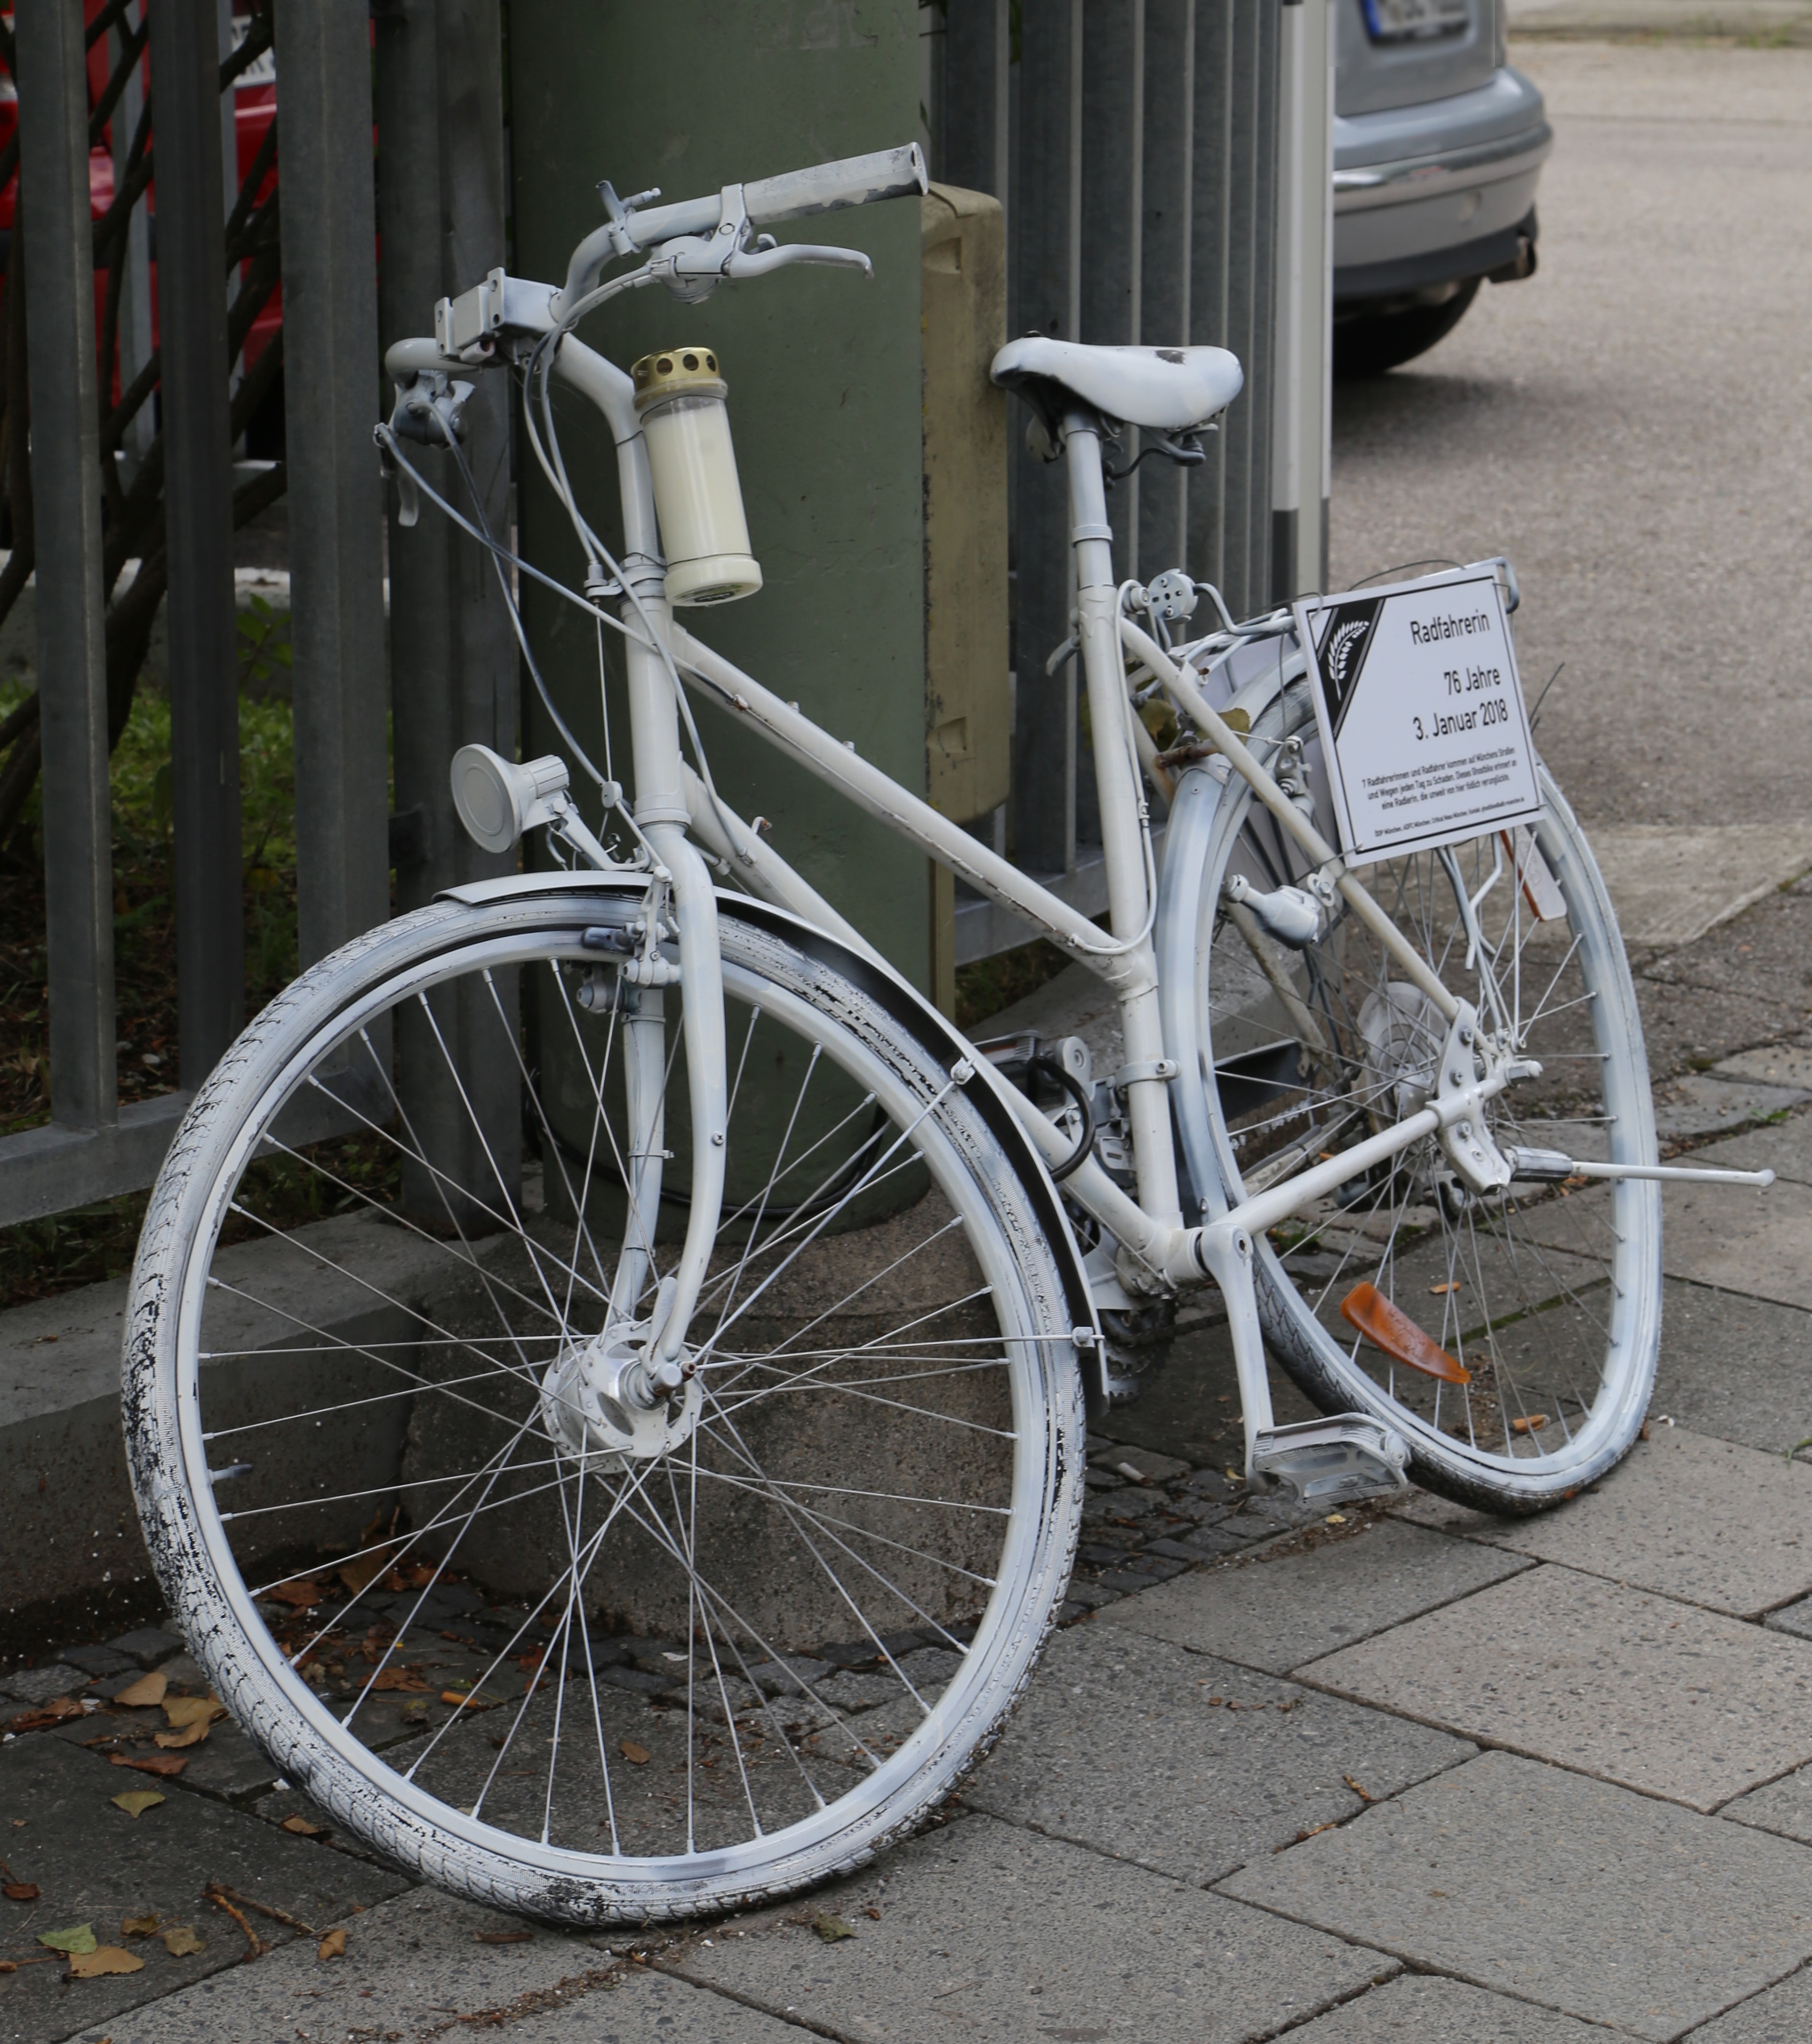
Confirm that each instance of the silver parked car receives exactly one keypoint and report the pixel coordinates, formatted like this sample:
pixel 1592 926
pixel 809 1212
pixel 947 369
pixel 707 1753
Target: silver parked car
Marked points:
pixel 1437 146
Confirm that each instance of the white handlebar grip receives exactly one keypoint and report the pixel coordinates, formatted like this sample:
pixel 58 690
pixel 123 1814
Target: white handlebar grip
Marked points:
pixel 825 187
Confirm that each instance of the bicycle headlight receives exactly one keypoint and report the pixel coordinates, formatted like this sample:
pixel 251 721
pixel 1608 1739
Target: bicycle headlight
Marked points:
pixel 680 398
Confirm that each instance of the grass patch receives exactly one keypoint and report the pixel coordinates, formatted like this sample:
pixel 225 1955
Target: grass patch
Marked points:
pixel 991 984
pixel 38 1257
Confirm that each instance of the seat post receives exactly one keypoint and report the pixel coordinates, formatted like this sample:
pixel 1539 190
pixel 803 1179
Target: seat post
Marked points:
pixel 1117 782
pixel 1091 542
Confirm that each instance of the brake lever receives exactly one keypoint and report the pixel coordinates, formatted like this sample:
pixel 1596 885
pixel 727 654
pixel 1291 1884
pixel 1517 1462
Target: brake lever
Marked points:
pixel 758 262
pixel 692 266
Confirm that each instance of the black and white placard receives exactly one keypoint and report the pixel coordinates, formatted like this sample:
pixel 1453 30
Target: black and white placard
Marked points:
pixel 1423 726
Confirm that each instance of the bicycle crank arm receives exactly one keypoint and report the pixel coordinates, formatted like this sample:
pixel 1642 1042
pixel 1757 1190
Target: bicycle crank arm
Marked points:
pixel 1550 1167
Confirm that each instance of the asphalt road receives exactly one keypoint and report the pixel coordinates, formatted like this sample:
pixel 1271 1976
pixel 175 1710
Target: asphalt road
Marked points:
pixel 1633 426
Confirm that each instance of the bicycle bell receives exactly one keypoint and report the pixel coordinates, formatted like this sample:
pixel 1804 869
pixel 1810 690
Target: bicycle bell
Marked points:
pixel 680 398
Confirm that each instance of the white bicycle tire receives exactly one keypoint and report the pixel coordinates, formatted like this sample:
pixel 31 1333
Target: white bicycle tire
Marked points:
pixel 1005 1220
pixel 1336 1372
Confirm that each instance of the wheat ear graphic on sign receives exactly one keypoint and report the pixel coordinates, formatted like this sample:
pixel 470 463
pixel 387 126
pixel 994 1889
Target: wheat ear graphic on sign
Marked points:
pixel 1342 648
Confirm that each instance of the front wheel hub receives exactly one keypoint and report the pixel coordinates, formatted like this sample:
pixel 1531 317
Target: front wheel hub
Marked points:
pixel 601 1401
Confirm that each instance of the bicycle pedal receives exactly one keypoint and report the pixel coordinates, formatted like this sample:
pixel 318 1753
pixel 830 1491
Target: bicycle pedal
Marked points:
pixel 1334 1461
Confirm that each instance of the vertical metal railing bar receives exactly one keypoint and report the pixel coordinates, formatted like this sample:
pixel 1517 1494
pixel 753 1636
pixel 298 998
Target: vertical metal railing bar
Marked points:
pixel 1287 409
pixel 1044 233
pixel 1002 136
pixel 58 250
pixel 330 317
pixel 227 113
pixel 1260 413
pixel 969 141
pixel 1111 185
pixel 1165 263
pixel 1073 184
pixel 204 663
pixel 440 216
pixel 1237 431
pixel 135 287
pixel 1127 139
pixel 1246 199
pixel 1162 261
pixel 1210 269
pixel 1135 262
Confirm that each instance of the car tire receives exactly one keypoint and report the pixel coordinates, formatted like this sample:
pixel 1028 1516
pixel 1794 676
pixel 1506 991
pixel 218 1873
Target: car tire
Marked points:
pixel 1375 342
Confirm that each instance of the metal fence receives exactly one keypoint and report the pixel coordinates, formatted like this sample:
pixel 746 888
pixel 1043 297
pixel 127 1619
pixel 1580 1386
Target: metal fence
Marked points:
pixel 1135 144
pixel 453 674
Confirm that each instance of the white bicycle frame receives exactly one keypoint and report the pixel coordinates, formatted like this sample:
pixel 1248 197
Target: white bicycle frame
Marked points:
pixel 1160 1251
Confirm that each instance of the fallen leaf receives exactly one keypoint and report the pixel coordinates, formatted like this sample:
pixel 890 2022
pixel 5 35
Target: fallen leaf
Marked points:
pixel 637 1756
pixel 21 1891
pixel 832 1928
pixel 139 1926
pixel 78 1937
pixel 148 1689
pixel 302 1828
pixel 300 1591
pixel 153 1763
pixel 58 1711
pixel 190 1734
pixel 332 1947
pixel 104 1959
pixel 180 1941
pixel 397 1678
pixel 1533 1424
pixel 363 1570
pixel 871 1910
pixel 502 1937
pixel 1335 1519
pixel 135 1802
pixel 182 1711
pixel 1438 1291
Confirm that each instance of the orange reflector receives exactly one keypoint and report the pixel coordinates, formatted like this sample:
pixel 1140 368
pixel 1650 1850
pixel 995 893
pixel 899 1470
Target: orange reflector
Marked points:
pixel 1389 1327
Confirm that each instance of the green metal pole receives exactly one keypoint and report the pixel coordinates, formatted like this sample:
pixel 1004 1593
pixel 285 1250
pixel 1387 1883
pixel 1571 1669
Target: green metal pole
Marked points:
pixel 823 376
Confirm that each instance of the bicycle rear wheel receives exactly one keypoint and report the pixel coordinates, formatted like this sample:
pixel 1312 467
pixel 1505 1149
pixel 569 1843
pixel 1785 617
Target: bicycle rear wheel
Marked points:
pixel 1547 1298
pixel 569 1653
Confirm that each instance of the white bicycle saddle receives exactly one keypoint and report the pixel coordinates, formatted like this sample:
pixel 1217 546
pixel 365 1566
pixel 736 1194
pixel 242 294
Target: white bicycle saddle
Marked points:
pixel 1165 389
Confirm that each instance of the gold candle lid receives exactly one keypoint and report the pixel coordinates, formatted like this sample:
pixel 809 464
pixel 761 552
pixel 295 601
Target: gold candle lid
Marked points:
pixel 677 372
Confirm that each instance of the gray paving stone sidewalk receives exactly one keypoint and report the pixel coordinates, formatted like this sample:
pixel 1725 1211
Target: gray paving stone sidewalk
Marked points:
pixel 1558 1769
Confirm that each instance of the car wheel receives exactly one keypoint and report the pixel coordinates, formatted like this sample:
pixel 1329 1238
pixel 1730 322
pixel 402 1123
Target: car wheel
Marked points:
pixel 1374 342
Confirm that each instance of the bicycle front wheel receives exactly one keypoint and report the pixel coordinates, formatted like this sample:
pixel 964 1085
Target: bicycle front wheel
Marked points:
pixel 1548 1298
pixel 565 1643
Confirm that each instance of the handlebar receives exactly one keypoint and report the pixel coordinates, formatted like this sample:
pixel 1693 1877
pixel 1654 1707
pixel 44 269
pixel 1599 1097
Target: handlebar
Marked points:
pixel 794 195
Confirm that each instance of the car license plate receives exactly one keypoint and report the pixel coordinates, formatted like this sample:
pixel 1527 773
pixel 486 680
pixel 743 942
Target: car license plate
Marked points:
pixel 1414 20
